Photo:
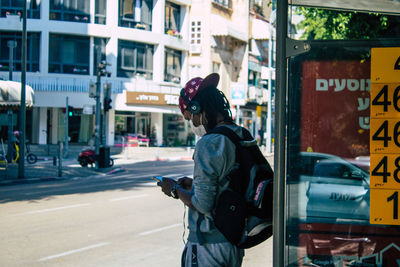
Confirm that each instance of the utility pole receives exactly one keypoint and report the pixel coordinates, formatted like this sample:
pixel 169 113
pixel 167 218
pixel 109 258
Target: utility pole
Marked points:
pixel 21 164
pixel 97 117
pixel 11 45
pixel 101 71
pixel 66 140
pixel 106 106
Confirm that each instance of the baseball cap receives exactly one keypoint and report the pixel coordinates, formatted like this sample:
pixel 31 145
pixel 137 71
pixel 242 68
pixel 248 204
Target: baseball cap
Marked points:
pixel 195 85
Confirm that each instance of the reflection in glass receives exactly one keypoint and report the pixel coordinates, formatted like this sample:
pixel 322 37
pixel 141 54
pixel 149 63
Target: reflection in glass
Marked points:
pixel 328 181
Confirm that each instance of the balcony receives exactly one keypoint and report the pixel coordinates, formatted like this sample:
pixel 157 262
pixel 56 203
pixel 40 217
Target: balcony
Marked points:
pixel 74 84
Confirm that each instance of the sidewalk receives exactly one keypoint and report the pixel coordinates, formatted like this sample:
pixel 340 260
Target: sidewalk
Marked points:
pixel 44 170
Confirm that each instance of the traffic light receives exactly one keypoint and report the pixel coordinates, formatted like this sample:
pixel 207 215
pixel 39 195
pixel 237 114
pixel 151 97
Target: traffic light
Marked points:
pixel 70 111
pixel 107 103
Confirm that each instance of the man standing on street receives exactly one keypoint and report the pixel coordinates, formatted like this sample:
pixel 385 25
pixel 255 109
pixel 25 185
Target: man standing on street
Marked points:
pixel 206 107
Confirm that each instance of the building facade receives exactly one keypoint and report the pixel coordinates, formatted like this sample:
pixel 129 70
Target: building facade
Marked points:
pixel 152 48
pixel 144 42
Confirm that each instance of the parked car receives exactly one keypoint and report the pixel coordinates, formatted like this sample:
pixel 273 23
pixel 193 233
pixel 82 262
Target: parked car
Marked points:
pixel 131 140
pixel 338 190
pixel 333 202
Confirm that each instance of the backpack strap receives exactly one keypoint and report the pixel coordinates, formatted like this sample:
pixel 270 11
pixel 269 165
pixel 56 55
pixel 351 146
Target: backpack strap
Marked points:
pixel 231 135
pixel 228 133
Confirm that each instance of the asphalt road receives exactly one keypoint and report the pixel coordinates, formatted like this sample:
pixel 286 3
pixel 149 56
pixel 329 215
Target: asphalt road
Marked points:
pixel 121 219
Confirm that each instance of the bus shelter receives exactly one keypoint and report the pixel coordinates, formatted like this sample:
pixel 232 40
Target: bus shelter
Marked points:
pixel 337 164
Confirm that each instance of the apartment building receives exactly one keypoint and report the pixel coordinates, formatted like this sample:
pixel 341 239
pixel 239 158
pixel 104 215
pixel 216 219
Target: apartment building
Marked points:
pixel 236 39
pixel 144 41
pixel 152 47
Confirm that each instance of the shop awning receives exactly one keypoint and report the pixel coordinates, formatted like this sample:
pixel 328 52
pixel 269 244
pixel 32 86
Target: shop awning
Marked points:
pixel 10 94
pixel 226 28
pixel 261 30
pixel 381 6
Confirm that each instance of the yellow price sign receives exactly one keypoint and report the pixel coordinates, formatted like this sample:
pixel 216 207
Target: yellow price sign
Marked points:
pixel 384 207
pixel 385 136
pixel 385 100
pixel 385 65
pixel 385 171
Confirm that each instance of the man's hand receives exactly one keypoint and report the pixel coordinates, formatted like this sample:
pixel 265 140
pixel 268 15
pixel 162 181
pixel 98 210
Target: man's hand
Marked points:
pixel 185 183
pixel 166 185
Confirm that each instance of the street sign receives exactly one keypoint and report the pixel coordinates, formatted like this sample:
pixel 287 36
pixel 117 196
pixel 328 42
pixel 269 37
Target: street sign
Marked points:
pixel 385 100
pixel 385 136
pixel 385 171
pixel 385 65
pixel 385 207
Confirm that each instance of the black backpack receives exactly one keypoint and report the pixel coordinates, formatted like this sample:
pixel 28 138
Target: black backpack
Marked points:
pixel 243 212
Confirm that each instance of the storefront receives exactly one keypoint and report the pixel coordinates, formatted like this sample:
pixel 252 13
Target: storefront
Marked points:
pixel 154 116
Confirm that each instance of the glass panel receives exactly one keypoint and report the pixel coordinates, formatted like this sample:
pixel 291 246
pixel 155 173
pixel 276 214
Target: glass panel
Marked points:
pixel 128 9
pixel 141 54
pixel 328 169
pixel 74 56
pixel 172 18
pixel 32 61
pixel 68 52
pixel 100 10
pixel 128 56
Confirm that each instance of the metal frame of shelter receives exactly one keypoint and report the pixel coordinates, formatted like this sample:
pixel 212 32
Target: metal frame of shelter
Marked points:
pixel 286 48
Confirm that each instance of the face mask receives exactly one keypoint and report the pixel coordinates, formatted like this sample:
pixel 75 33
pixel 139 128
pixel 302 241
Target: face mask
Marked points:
pixel 199 130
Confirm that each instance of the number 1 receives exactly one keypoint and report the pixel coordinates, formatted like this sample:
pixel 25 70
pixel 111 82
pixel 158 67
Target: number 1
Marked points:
pixel 395 198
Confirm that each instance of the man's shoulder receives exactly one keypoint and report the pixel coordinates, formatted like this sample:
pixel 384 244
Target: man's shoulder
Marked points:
pixel 217 139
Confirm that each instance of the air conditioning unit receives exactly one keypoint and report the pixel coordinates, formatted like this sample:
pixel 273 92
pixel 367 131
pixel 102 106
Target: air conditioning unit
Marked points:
pixel 252 92
pixel 195 49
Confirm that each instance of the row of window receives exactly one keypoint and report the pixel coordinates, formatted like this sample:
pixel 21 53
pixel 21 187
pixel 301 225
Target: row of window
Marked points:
pixel 132 13
pixel 70 54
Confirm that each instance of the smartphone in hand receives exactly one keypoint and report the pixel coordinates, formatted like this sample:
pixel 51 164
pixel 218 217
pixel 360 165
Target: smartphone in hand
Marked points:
pixel 158 178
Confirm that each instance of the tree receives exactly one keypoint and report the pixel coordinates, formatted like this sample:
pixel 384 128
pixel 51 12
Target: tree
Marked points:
pixel 322 24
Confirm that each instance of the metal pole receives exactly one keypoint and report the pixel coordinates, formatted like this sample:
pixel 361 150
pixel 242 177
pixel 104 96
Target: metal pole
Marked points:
pixel 21 164
pixel 11 45
pixel 104 139
pixel 280 134
pixel 60 149
pixel 10 146
pixel 97 119
pixel 66 140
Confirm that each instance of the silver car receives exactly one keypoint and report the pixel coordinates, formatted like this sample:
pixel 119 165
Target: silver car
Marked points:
pixel 338 190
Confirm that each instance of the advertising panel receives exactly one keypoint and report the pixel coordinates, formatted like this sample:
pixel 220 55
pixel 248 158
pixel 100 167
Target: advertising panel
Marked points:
pixel 343 174
pixel 335 107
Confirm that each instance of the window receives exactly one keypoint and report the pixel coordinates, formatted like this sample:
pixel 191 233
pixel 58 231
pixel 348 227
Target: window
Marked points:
pixel 70 10
pixel 224 3
pixel 254 77
pixel 172 69
pixel 195 32
pixel 68 54
pixel 135 60
pixel 172 19
pixel 99 46
pixel 33 50
pixel 216 67
pixel 15 7
pixel 135 14
pixel 100 11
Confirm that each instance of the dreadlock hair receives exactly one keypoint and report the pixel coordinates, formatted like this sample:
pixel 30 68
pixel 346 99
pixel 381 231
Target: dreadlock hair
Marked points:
pixel 213 101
